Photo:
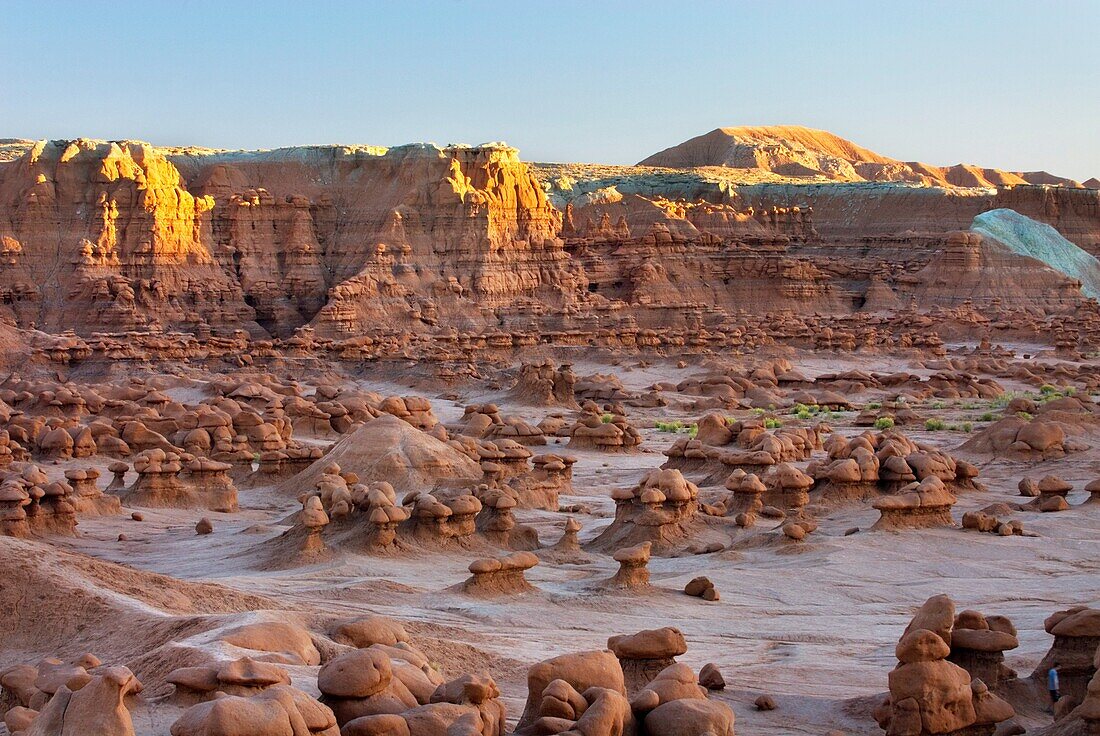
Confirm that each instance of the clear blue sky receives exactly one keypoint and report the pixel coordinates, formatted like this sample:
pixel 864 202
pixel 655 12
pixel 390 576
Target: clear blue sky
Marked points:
pixel 1009 84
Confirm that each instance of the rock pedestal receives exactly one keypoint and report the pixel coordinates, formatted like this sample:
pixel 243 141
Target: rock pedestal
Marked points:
pixel 645 654
pixel 500 576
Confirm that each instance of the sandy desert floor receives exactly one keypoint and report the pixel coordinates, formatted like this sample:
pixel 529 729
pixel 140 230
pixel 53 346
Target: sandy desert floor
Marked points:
pixel 814 624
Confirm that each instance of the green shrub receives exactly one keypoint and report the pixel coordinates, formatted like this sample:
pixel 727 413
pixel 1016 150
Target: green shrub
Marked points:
pixel 692 430
pixel 987 417
pixel 805 412
pixel 606 418
pixel 1024 415
pixel 884 423
pixel 874 405
pixel 772 423
pixel 1002 400
pixel 758 411
pixel 802 411
pixel 934 425
pixel 967 427
pixel 1048 392
pixel 670 426
pixel 939 404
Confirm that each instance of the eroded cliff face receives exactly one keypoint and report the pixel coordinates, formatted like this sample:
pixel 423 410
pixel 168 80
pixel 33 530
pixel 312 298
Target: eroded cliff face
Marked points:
pixel 117 236
pixel 460 242
pixel 855 211
pixel 663 257
pixel 409 237
pixel 105 236
pixel 972 268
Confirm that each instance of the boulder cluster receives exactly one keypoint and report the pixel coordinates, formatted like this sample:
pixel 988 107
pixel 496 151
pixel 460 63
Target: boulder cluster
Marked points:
pixel 929 693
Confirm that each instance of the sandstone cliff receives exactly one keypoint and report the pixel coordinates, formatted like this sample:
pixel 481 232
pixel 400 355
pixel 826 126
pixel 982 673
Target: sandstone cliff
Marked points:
pixel 404 237
pixel 102 235
pixel 105 235
pixel 473 246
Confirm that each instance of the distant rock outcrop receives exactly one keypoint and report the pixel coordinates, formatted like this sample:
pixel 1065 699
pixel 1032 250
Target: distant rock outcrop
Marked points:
pixel 795 151
pixel 1026 237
